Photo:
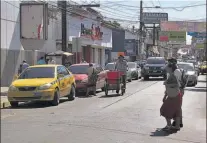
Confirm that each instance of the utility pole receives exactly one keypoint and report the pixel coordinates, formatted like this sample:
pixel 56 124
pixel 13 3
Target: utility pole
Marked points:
pixel 64 28
pixel 140 24
pixel 154 34
pixel 64 24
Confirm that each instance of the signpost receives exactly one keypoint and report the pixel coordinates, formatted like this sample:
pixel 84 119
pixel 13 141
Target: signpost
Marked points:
pixel 154 18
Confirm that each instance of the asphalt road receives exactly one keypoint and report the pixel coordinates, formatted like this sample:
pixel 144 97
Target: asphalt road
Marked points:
pixel 132 118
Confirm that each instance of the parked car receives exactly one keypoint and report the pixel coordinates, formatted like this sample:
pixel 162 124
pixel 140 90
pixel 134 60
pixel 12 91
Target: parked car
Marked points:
pixel 111 66
pixel 190 72
pixel 203 68
pixel 42 83
pixel 154 67
pixel 135 70
pixel 81 76
pixel 195 63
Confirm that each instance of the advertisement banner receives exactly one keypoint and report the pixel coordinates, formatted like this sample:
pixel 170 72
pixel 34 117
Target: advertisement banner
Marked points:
pixel 130 47
pixel 94 31
pixel 200 46
pixel 118 37
pixel 183 26
pixel 163 36
pixel 198 34
pixel 177 36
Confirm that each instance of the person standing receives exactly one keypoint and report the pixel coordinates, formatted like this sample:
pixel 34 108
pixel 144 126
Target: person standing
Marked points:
pixel 171 108
pixel 51 61
pixel 41 61
pixel 92 79
pixel 24 65
pixel 121 66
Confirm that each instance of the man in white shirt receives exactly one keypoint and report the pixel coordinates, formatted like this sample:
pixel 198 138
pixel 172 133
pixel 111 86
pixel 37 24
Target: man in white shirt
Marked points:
pixel 51 61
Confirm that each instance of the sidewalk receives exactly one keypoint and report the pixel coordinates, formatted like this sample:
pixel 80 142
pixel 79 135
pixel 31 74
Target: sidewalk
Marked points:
pixel 4 102
pixel 4 91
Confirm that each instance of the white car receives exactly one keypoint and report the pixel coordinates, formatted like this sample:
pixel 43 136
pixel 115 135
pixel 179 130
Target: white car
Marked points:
pixel 190 71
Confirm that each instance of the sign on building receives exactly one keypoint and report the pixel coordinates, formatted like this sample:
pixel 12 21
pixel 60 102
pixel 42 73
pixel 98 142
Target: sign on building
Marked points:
pixel 33 21
pixel 156 18
pixel 183 26
pixel 198 34
pixel 173 37
pixel 130 47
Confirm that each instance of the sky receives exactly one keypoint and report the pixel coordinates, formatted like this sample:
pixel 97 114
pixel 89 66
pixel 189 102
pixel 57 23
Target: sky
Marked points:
pixel 127 12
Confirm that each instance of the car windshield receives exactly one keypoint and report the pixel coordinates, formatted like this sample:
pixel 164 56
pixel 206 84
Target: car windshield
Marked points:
pixel 79 69
pixel 186 67
pixel 110 66
pixel 156 61
pixel 38 72
pixel 132 65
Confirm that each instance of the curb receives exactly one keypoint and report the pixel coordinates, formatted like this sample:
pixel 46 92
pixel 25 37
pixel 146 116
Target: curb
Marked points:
pixel 5 104
pixel 4 93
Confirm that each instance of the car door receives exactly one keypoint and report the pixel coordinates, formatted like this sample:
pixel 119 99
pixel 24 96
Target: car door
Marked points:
pixel 67 80
pixel 60 80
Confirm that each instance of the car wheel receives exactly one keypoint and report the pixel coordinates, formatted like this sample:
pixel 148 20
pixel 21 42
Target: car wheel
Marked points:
pixel 72 94
pixel 130 80
pixel 202 73
pixel 56 99
pixel 14 104
pixel 146 77
pixel 104 88
pixel 137 77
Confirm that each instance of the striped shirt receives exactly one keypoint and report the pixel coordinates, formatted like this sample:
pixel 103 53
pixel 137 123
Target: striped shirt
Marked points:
pixel 121 66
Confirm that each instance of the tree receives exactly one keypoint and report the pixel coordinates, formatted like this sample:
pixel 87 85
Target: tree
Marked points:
pixel 116 24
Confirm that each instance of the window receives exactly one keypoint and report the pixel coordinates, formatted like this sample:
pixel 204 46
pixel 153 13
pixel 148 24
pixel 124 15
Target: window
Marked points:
pixel 110 66
pixel 62 70
pixel 79 69
pixel 155 61
pixel 38 72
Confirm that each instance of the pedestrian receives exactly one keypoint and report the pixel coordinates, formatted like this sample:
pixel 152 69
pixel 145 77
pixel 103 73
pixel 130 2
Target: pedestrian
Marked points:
pixel 171 108
pixel 51 61
pixel 24 65
pixel 121 66
pixel 41 61
pixel 20 69
pixel 92 79
pixel 83 61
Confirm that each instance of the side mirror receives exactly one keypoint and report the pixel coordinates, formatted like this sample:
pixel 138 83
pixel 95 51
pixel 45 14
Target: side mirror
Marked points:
pixel 61 75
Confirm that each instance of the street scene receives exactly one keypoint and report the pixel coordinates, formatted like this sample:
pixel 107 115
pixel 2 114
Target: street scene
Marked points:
pixel 103 71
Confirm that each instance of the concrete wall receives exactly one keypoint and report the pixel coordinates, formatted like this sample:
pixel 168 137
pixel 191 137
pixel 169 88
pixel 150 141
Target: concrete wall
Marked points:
pixel 12 51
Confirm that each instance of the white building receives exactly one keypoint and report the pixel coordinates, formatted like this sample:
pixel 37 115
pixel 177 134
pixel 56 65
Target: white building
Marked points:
pixel 12 50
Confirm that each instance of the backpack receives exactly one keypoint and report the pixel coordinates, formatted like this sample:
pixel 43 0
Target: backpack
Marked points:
pixel 172 86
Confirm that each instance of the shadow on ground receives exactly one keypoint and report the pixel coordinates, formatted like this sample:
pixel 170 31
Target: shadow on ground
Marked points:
pixel 110 95
pixel 32 105
pixel 160 132
pixel 196 89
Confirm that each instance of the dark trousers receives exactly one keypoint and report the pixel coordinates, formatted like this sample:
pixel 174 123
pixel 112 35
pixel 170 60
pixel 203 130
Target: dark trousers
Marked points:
pixel 124 80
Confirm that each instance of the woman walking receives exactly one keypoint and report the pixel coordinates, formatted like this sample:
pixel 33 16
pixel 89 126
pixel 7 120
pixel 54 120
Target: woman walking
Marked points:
pixel 171 107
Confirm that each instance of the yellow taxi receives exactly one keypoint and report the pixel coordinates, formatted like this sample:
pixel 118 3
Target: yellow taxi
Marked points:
pixel 203 68
pixel 42 83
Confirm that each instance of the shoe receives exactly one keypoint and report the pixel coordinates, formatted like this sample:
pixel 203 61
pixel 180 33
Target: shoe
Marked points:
pixel 174 128
pixel 174 123
pixel 166 128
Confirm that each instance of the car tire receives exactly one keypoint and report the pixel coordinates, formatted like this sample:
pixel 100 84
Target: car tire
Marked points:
pixel 130 80
pixel 14 104
pixel 56 98
pixel 146 77
pixel 72 94
pixel 202 73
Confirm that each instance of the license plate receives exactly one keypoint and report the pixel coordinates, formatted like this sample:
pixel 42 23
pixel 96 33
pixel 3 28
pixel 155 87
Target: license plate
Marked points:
pixel 37 93
pixel 154 71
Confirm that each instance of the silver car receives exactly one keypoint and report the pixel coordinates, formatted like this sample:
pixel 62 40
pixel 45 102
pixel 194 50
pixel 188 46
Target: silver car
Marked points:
pixel 190 71
pixel 135 70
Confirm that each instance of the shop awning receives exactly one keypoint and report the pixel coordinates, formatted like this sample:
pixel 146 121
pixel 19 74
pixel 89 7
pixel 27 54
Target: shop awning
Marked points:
pixel 59 53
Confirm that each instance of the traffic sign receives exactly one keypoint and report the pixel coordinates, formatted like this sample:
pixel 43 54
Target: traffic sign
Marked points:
pixel 150 18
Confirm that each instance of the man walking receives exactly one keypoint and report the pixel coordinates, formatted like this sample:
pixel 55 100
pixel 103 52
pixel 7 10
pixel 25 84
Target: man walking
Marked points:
pixel 121 65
